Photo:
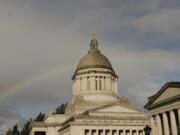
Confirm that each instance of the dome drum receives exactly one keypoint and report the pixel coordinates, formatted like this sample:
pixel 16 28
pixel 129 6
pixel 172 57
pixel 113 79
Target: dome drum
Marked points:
pixel 99 82
pixel 95 77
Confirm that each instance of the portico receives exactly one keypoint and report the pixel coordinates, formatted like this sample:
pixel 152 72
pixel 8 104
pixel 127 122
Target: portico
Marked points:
pixel 164 108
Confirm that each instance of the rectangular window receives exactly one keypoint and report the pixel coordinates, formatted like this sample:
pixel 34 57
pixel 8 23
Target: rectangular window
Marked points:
pixel 40 133
pixel 86 132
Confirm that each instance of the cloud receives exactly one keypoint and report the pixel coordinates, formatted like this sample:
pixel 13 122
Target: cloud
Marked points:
pixel 42 41
pixel 165 23
pixel 9 117
pixel 142 73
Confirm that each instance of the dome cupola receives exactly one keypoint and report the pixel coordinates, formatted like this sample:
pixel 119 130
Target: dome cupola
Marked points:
pixel 94 59
pixel 94 79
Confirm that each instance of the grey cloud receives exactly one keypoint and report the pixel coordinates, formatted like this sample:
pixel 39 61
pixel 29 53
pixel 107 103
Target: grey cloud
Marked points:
pixel 165 23
pixel 9 117
pixel 142 73
pixel 48 38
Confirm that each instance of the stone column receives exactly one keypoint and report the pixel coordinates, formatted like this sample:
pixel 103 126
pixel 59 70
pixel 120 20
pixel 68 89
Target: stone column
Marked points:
pixel 78 84
pixel 166 124
pixel 115 132
pixel 94 132
pixel 137 132
pixel 101 132
pixel 88 84
pixel 152 123
pixel 107 132
pixel 173 123
pixel 83 83
pixel 179 115
pixel 73 87
pixel 140 132
pixel 129 133
pixel 112 84
pixel 115 86
pixel 102 83
pixel 159 125
pixel 97 83
pixel 123 132
pixel 92 83
pixel 109 84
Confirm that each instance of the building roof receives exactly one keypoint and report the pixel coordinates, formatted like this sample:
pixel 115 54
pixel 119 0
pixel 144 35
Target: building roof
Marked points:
pixel 155 96
pixel 94 58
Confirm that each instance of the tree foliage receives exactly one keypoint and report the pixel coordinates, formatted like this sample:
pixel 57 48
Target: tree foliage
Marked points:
pixel 9 132
pixel 40 117
pixel 26 129
pixel 15 130
pixel 61 109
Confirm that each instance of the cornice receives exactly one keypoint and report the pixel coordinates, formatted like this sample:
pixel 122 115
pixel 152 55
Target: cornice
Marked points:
pixel 164 103
pixel 111 72
pixel 162 109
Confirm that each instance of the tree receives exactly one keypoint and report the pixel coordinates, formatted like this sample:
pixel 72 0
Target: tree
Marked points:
pixel 9 132
pixel 61 109
pixel 26 129
pixel 40 117
pixel 15 130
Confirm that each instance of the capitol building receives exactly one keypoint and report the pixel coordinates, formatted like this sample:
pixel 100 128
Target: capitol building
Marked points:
pixel 96 108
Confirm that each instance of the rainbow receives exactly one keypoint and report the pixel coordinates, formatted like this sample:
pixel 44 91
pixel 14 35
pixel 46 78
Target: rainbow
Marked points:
pixel 19 86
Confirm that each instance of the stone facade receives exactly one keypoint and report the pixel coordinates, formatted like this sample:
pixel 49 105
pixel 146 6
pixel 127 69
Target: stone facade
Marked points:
pixel 95 107
pixel 164 110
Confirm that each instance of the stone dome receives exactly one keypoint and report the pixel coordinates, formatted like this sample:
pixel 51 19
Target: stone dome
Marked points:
pixel 94 58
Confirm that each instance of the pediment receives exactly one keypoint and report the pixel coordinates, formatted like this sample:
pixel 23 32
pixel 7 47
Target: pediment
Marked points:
pixel 116 108
pixel 167 94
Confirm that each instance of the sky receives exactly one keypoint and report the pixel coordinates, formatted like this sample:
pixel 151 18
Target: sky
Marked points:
pixel 42 41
